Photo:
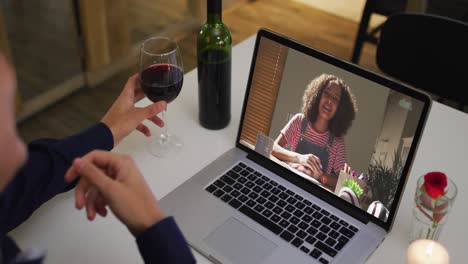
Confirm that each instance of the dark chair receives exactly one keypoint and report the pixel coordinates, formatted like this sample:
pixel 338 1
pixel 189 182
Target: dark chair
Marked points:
pixel 429 52
pixel 381 7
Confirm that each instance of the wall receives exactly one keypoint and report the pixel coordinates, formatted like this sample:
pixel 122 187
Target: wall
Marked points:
pixel 371 100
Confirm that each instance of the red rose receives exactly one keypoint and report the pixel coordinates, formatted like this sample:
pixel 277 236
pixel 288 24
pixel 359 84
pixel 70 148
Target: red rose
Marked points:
pixel 435 183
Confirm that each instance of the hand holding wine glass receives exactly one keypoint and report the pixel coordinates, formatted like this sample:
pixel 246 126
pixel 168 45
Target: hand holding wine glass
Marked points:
pixel 161 78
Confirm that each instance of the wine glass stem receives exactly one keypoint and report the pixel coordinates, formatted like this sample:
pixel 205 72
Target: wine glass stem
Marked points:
pixel 164 137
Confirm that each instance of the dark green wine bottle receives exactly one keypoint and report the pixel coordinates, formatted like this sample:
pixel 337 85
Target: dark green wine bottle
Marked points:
pixel 214 46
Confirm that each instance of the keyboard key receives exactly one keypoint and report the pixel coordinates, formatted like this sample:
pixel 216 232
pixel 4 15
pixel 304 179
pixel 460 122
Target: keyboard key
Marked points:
pixel 312 231
pixel 323 261
pixel 307 218
pixel 237 168
pixel 281 203
pixel 272 182
pixel 283 196
pixel 252 177
pixel 244 173
pixel 265 178
pixel 273 198
pixel 286 215
pixel 321 236
pixel 315 253
pixel 325 229
pixel 334 234
pixel 339 246
pixel 300 205
pixel 304 249
pixel 334 217
pixel 242 165
pixel 261 200
pixel 275 191
pixel 218 193
pixel 267 186
pixel 245 190
pixel 227 180
pixel 294 220
pixel 275 218
pixel 249 169
pixel 284 223
pixel 325 220
pixel 353 228
pixel 265 194
pixel 316 223
pixel 291 200
pixel 325 212
pixel 345 231
pixel 259 181
pixel 226 198
pixel 211 188
pixel 250 184
pixel 289 192
pixel 242 180
pixel 269 205
pixel 311 240
pixel 251 203
pixel 308 210
pixel 277 210
pixel 343 223
pixel 237 186
pixel 335 225
pixel 301 234
pixel 243 198
pixel 260 219
pixel 257 174
pixel 235 193
pixel 326 249
pixel 297 242
pixel 303 226
pixel 219 184
pixel 233 175
pixel 293 229
pixel 307 202
pixel 330 241
pixel 281 187
pixel 317 215
pixel 267 213
pixel 316 207
pixel 235 203
pixel 227 188
pixel 259 208
pixel 287 236
pixel 290 208
pixel 343 240
pixel 257 189
pixel 253 195
pixel 298 213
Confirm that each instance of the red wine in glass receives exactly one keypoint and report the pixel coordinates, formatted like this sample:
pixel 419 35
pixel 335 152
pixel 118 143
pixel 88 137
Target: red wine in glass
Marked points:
pixel 162 82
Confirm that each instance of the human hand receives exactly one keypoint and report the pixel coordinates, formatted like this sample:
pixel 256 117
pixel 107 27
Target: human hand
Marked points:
pixel 304 169
pixel 113 180
pixel 312 162
pixel 123 117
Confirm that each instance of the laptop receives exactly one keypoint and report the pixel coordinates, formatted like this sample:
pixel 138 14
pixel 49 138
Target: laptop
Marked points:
pixel 298 186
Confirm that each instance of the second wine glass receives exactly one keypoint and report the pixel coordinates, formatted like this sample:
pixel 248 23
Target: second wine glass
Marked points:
pixel 161 78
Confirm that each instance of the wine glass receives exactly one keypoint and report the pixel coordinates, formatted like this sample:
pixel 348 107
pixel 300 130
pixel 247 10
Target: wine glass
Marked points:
pixel 161 78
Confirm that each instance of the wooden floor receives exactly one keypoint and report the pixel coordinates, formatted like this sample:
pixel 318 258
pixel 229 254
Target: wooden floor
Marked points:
pixel 327 32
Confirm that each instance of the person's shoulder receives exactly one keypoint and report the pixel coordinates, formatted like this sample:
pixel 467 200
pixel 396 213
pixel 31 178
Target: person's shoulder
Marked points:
pixel 298 117
pixel 339 142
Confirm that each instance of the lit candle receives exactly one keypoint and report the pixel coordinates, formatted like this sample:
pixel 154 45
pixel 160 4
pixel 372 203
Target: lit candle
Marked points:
pixel 424 251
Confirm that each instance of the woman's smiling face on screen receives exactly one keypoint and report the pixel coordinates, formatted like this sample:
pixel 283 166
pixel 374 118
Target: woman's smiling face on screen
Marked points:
pixel 329 101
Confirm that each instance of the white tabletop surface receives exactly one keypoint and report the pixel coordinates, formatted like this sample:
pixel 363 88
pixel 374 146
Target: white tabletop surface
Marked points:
pixel 70 238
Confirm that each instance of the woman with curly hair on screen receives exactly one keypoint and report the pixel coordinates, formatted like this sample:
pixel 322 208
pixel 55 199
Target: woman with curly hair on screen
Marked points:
pixel 316 136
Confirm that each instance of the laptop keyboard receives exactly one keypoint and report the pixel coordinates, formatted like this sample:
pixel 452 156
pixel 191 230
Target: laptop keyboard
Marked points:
pixel 305 225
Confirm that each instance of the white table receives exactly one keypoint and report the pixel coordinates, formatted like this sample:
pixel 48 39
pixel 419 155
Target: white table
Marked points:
pixel 70 238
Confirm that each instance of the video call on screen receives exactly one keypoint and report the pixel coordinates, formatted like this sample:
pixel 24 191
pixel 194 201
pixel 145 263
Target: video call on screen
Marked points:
pixel 347 134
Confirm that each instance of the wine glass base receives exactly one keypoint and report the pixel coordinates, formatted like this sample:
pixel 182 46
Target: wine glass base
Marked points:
pixel 165 146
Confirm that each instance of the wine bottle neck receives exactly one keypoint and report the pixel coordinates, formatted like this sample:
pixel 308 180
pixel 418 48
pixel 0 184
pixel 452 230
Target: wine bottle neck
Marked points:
pixel 214 10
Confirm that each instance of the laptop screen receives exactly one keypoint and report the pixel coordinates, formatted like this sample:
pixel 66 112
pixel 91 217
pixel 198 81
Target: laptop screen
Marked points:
pixel 338 130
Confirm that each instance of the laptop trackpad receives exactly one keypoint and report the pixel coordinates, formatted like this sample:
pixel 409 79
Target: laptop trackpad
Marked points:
pixel 239 243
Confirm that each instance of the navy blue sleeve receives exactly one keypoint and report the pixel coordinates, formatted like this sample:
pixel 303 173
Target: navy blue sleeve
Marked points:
pixel 42 176
pixel 164 243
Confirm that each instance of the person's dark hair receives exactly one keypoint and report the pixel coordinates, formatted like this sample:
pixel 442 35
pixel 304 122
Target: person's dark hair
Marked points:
pixel 345 112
